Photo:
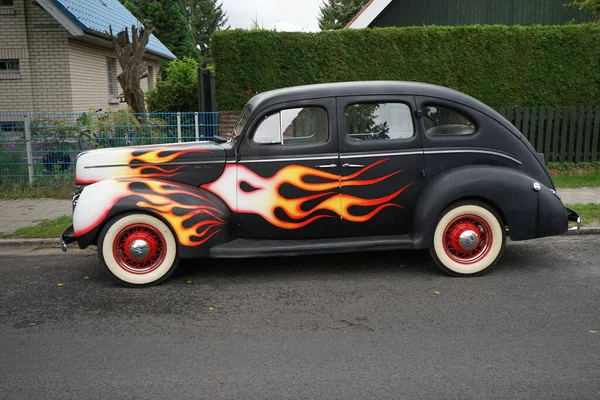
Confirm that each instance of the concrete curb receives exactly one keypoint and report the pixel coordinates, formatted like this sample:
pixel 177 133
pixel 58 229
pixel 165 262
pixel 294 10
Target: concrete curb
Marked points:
pixel 30 242
pixel 56 242
pixel 586 231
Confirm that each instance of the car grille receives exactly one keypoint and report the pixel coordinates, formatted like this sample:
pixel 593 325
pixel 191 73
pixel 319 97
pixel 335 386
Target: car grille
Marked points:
pixel 76 198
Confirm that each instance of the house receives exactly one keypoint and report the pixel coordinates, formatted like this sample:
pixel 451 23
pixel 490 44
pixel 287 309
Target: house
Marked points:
pixel 383 13
pixel 56 55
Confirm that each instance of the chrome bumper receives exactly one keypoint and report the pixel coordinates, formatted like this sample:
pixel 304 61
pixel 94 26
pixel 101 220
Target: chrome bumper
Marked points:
pixel 67 237
pixel 574 217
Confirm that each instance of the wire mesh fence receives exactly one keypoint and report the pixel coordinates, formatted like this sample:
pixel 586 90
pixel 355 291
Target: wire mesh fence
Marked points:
pixel 43 147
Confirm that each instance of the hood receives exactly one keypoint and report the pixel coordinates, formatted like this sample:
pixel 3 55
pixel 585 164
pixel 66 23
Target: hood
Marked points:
pixel 194 163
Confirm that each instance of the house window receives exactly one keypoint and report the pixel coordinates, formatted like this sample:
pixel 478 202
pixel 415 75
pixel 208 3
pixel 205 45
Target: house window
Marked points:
pixel 9 66
pixel 6 3
pixel 150 77
pixel 111 67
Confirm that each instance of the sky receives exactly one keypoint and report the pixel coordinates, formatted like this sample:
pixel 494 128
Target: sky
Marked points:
pixel 284 15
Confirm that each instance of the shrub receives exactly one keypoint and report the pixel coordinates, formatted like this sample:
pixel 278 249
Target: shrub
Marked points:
pixel 503 66
pixel 178 91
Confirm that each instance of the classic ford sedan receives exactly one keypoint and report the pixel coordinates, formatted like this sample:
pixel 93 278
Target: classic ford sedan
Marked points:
pixel 329 168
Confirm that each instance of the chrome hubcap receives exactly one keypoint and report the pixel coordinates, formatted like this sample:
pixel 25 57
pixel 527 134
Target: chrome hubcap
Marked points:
pixel 469 240
pixel 139 250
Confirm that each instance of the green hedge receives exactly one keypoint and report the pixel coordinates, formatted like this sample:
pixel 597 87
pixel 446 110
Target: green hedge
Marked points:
pixel 503 66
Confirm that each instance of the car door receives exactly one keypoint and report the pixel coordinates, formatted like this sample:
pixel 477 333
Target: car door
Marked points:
pixel 288 173
pixel 382 167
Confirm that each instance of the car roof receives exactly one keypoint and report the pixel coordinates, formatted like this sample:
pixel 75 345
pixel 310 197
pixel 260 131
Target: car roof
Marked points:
pixel 374 88
pixel 364 88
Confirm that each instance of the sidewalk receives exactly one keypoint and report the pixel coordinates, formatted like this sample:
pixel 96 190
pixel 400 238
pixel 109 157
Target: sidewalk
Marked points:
pixel 15 214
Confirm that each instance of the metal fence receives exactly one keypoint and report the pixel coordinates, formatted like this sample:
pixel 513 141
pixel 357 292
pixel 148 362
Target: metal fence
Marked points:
pixel 563 134
pixel 43 147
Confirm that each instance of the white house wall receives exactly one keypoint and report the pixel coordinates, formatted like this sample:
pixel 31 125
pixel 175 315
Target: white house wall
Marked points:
pixel 89 77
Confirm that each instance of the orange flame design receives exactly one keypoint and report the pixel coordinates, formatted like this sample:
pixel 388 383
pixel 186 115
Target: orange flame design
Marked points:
pixel 148 163
pixel 180 214
pixel 267 198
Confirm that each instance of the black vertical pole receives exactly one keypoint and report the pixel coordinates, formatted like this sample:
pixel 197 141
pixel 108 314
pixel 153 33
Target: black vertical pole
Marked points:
pixel 213 93
pixel 201 97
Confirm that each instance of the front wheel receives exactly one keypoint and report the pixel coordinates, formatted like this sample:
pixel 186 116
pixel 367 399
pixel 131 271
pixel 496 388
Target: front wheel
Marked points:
pixel 469 239
pixel 137 250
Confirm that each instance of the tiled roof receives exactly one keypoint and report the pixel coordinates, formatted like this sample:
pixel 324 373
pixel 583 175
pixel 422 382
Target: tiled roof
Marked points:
pixel 98 15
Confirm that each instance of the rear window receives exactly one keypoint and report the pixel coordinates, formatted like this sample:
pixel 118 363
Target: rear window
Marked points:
pixel 440 121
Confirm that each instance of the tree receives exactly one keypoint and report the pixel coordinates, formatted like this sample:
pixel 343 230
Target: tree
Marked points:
pixel 336 14
pixel 169 21
pixel 592 6
pixel 178 91
pixel 205 17
pixel 130 53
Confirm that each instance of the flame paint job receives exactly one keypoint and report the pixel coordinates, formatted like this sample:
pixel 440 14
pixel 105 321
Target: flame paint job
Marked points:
pixel 130 162
pixel 265 197
pixel 193 217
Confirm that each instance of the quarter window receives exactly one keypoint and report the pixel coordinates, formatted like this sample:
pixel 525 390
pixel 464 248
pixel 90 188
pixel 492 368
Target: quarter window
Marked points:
pixel 306 125
pixel 441 121
pixel 381 121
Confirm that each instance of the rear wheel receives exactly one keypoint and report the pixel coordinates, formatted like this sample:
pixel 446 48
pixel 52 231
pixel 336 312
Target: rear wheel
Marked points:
pixel 137 250
pixel 469 239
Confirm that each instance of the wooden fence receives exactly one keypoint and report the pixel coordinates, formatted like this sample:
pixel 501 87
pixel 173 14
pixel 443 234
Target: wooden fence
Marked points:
pixel 563 134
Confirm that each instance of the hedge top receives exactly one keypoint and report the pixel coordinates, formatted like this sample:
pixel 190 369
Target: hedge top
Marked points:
pixel 503 66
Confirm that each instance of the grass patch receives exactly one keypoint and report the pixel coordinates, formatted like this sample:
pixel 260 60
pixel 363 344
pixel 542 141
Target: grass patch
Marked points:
pixel 589 213
pixel 45 229
pixel 591 178
pixel 566 166
pixel 60 191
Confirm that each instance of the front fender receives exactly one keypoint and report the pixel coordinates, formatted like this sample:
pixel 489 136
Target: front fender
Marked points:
pixel 198 218
pixel 528 213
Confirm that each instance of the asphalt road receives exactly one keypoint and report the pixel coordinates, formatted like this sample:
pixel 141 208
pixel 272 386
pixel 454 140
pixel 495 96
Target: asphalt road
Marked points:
pixel 385 325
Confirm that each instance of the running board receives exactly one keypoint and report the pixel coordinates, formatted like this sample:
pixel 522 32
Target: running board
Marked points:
pixel 251 248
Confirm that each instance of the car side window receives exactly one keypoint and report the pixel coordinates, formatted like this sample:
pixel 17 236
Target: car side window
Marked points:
pixel 440 121
pixel 379 121
pixel 308 125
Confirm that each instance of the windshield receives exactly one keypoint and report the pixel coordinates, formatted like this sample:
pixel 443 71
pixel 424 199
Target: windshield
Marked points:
pixel 241 124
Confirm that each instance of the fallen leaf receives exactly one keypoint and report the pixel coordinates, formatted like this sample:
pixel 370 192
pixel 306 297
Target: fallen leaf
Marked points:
pixel 211 308
pixel 593 331
pixel 220 383
pixel 86 278
pixel 436 292
pixel 60 284
pixel 189 281
pixel 32 324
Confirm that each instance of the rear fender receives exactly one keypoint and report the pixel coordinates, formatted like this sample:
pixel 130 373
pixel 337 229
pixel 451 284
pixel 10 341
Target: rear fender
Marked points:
pixel 528 213
pixel 198 218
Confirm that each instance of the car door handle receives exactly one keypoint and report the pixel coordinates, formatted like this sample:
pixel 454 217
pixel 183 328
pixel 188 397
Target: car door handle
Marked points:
pixel 352 165
pixel 326 166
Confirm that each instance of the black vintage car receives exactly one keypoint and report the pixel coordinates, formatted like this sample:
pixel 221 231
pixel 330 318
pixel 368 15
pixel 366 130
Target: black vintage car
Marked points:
pixel 321 169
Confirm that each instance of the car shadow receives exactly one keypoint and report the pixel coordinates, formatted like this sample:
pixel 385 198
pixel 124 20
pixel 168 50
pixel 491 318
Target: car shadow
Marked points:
pixel 522 258
pixel 412 262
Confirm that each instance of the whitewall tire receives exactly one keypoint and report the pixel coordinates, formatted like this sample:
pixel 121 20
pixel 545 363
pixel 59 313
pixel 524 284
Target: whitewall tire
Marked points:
pixel 137 250
pixel 469 239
